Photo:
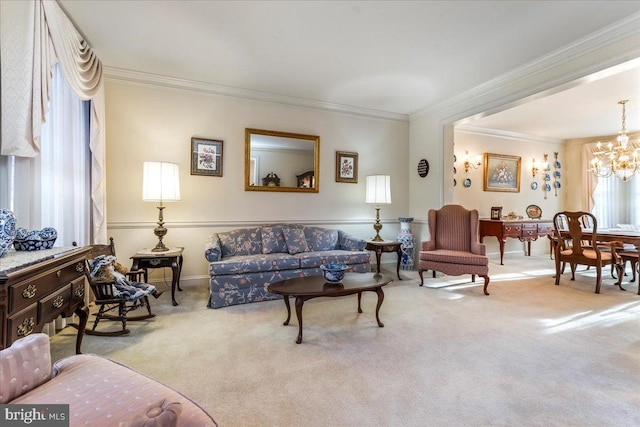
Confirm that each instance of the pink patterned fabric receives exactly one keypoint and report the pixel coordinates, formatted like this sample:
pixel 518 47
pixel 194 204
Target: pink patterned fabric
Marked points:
pixel 24 366
pixel 99 391
pixel 454 247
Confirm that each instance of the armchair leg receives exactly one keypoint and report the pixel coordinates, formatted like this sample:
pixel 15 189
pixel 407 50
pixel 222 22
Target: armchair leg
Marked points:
pixel 486 284
pixel 422 280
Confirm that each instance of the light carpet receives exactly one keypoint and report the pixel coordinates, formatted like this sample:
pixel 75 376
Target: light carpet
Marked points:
pixel 530 354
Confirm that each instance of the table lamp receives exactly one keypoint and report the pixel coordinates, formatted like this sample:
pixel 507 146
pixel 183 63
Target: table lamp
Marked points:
pixel 378 191
pixel 160 183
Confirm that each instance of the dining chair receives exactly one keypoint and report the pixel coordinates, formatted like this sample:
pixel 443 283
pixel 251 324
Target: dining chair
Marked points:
pixel 574 247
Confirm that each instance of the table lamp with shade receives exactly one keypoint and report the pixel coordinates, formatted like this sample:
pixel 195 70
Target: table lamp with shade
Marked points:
pixel 160 183
pixel 378 192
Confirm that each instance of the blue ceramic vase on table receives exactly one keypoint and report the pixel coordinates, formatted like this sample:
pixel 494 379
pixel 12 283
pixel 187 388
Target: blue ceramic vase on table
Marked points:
pixel 7 230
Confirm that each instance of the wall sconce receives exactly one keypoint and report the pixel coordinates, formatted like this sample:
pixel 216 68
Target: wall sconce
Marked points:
pixel 534 167
pixel 468 164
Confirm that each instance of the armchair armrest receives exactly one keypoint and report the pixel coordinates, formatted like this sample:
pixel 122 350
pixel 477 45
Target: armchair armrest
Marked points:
pixel 350 243
pixel 478 248
pixel 429 245
pixel 24 366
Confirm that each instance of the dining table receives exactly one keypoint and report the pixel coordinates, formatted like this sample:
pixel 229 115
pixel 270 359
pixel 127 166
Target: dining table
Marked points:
pixel 631 237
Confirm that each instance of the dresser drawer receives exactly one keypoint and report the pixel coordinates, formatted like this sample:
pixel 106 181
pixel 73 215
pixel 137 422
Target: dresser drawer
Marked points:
pixel 529 230
pixel 512 230
pixel 52 305
pixel 23 323
pixel 545 229
pixel 31 290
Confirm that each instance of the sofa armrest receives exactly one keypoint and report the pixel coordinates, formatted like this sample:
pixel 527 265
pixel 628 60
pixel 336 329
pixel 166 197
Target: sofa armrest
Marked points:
pixel 25 365
pixel 350 243
pixel 213 249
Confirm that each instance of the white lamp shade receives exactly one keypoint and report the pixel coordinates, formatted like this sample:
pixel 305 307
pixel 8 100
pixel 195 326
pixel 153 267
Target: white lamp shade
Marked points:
pixel 378 189
pixel 161 182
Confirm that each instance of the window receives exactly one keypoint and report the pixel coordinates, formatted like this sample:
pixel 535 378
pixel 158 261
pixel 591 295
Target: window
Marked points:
pixel 616 202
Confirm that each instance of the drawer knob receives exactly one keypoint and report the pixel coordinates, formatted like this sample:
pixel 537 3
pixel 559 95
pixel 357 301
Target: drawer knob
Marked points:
pixel 155 262
pixel 80 267
pixel 79 292
pixel 58 301
pixel 59 273
pixel 30 291
pixel 26 327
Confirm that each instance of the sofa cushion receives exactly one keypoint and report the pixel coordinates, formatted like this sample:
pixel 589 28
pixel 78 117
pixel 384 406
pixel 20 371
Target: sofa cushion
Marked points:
pixel 321 239
pixel 273 240
pixel 254 263
pixel 243 241
pixel 25 365
pixel 296 241
pixel 317 258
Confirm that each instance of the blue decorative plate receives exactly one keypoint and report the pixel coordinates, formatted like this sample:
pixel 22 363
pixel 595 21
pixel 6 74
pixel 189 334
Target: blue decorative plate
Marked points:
pixel 557 174
pixel 558 166
pixel 556 184
pixel 534 185
pixel 547 177
pixel 547 187
pixel 467 182
pixel 455 182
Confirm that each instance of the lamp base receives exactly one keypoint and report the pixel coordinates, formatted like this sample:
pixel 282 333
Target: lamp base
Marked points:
pixel 160 231
pixel 377 226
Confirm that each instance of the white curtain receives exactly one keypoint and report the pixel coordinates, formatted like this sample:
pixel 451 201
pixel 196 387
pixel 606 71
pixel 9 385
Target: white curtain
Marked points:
pixel 35 35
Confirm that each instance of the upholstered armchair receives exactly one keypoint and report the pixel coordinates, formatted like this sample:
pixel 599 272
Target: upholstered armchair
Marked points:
pixel 454 248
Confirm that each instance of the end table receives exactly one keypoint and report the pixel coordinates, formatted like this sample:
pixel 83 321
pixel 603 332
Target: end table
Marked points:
pixel 146 258
pixel 385 246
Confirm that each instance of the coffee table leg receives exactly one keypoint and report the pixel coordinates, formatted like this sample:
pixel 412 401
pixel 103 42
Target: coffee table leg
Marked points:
pixel 286 303
pixel 359 296
pixel 380 299
pixel 299 303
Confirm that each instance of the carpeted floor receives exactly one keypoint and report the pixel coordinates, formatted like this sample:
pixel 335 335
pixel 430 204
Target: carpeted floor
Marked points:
pixel 530 354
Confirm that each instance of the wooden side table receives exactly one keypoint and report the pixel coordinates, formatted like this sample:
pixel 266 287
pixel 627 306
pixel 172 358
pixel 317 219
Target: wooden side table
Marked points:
pixel 146 258
pixel 385 246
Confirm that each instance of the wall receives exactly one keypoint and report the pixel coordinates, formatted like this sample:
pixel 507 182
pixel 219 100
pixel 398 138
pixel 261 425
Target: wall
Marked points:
pixel 474 197
pixel 152 122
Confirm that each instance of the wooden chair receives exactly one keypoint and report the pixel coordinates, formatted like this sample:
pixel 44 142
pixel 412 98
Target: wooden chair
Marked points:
pixel 454 247
pixel 112 307
pixel 574 248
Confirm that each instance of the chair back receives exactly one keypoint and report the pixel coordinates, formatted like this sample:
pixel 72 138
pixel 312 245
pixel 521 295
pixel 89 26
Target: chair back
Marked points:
pixel 102 290
pixel 453 227
pixel 569 228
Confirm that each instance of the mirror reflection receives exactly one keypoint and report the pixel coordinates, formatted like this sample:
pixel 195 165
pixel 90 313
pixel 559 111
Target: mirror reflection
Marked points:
pixel 281 161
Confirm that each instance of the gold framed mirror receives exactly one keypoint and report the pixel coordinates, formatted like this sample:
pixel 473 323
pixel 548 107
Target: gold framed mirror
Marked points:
pixel 281 161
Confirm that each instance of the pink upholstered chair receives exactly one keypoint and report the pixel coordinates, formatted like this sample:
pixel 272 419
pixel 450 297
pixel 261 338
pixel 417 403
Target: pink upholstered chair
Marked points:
pixel 454 248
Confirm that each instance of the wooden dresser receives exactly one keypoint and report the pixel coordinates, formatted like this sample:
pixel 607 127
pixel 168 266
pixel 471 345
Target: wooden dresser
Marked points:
pixel 521 229
pixel 36 287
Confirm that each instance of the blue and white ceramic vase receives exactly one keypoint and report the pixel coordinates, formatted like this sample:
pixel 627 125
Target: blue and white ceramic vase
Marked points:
pixel 7 230
pixel 405 237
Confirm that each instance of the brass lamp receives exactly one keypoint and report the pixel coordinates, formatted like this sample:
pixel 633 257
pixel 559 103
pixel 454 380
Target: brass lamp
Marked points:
pixel 160 183
pixel 378 189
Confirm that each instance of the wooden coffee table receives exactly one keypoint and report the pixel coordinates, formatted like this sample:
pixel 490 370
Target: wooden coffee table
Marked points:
pixel 305 288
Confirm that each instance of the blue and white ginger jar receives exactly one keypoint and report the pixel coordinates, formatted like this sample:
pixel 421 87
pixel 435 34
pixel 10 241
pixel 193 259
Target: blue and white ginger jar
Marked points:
pixel 7 230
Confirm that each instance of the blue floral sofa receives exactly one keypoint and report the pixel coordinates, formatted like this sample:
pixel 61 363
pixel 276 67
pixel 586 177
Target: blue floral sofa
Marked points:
pixel 243 262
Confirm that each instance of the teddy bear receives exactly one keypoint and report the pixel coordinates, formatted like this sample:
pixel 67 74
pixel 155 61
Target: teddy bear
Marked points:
pixel 107 268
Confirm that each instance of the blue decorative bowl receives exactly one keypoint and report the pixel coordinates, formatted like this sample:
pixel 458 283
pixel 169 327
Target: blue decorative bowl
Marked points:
pixel 333 273
pixel 35 240
pixel 7 230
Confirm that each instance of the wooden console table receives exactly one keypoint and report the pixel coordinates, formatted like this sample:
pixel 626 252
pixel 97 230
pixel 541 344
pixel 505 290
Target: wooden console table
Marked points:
pixel 521 229
pixel 38 286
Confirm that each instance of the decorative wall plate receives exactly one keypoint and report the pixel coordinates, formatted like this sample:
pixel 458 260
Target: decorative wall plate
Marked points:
pixel 547 187
pixel 455 171
pixel 467 182
pixel 547 177
pixel 534 212
pixel 558 165
pixel 455 182
pixel 556 184
pixel 557 174
pixel 534 185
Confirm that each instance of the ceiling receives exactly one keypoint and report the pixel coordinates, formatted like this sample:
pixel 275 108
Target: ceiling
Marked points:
pixel 394 57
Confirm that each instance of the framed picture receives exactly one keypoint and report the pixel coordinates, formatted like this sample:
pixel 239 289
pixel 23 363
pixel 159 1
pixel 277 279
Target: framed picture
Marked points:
pixel 496 212
pixel 347 167
pixel 501 173
pixel 206 157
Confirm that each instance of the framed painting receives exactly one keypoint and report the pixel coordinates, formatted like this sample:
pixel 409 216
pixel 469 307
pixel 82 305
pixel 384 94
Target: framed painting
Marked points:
pixel 501 173
pixel 347 167
pixel 206 157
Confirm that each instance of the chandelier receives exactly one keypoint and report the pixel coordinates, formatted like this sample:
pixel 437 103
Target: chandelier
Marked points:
pixel 621 159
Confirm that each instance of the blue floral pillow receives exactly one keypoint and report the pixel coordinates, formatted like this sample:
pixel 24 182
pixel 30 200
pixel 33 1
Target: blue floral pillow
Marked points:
pixel 321 239
pixel 273 240
pixel 212 250
pixel 295 239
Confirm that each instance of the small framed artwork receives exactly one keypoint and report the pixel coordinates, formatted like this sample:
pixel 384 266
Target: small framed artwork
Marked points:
pixel 501 173
pixel 496 212
pixel 206 157
pixel 347 167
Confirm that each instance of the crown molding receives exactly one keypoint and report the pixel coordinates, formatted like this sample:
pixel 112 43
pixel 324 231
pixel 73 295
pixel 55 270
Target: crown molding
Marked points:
pixel 504 134
pixel 606 36
pixel 144 78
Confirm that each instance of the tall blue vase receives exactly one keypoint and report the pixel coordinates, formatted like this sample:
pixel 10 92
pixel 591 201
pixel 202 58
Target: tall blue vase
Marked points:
pixel 405 237
pixel 7 230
